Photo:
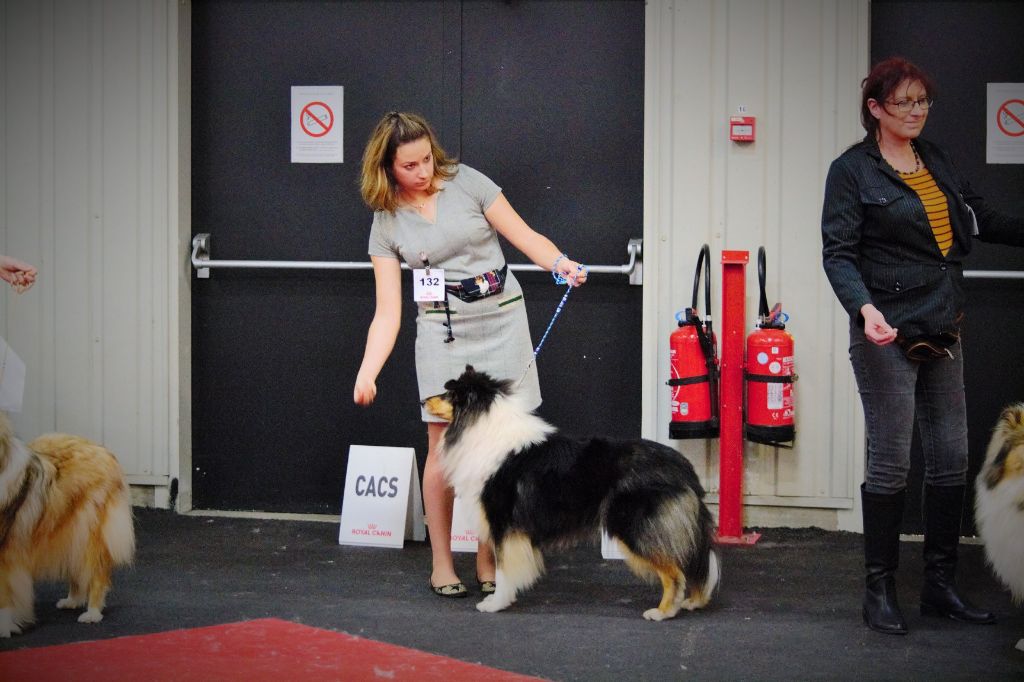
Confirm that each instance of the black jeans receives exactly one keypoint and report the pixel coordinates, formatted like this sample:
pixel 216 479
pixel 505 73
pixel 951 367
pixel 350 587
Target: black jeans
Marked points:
pixel 893 389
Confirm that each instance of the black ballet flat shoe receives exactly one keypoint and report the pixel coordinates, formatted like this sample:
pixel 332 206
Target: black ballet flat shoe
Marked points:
pixel 453 591
pixel 486 586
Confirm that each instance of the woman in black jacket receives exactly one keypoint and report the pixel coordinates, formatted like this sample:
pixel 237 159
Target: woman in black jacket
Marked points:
pixel 898 219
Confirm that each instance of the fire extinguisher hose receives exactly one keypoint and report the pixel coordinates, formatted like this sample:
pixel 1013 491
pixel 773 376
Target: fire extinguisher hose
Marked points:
pixel 762 308
pixel 772 318
pixel 704 329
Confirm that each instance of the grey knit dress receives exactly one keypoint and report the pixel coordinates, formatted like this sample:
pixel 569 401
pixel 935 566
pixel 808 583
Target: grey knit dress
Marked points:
pixel 491 333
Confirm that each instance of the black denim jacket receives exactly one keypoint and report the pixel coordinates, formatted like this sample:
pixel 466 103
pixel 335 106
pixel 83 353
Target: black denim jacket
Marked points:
pixel 878 247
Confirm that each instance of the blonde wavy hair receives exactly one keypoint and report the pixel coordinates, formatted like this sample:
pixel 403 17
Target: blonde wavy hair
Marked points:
pixel 377 184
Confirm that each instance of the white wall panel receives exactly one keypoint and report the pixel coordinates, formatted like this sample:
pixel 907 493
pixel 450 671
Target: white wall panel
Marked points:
pixel 89 107
pixel 796 65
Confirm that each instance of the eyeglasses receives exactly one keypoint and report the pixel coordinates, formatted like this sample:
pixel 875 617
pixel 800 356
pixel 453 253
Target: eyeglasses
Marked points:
pixel 905 106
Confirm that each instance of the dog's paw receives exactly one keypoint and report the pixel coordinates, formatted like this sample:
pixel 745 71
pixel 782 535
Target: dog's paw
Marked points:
pixel 655 614
pixel 68 603
pixel 7 625
pixel 490 604
pixel 91 616
pixel 691 604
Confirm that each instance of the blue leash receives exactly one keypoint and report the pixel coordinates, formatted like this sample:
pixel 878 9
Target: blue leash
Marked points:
pixel 558 311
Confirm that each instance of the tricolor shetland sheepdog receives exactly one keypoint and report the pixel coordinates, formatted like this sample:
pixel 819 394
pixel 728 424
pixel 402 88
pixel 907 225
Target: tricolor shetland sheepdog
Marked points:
pixel 999 502
pixel 537 489
pixel 65 514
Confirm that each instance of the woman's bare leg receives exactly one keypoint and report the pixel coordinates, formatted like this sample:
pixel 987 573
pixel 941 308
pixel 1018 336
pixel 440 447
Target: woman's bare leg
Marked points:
pixel 438 500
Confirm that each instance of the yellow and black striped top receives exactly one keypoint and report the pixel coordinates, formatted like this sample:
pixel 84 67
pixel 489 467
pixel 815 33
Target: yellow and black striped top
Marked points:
pixel 935 205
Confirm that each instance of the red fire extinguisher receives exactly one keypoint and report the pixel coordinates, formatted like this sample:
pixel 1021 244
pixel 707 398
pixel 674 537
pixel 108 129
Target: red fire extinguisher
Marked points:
pixel 768 399
pixel 693 363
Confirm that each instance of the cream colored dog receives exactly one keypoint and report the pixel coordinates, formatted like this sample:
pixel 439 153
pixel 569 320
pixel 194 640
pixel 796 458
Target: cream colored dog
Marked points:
pixel 65 514
pixel 999 503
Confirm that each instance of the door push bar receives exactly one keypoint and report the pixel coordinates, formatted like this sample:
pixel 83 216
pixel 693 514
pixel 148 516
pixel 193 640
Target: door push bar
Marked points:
pixel 994 274
pixel 202 263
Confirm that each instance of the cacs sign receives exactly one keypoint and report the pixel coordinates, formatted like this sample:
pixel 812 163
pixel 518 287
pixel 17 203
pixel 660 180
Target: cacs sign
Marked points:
pixel 376 486
pixel 381 504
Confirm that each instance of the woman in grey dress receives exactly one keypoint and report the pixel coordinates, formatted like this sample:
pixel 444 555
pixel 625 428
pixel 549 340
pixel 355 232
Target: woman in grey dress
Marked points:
pixel 443 219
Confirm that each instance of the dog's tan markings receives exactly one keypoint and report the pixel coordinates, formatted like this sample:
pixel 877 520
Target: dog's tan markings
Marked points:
pixel 70 507
pixel 1013 416
pixel 1014 465
pixel 439 407
pixel 1008 461
pixel 99 564
pixel 520 564
pixel 673 582
pixel 520 560
pixel 9 513
pixel 994 470
pixel 670 579
pixel 697 598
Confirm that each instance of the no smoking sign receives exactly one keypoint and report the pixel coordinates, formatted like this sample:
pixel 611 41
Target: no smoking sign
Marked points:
pixel 1004 123
pixel 316 123
pixel 1010 117
pixel 316 119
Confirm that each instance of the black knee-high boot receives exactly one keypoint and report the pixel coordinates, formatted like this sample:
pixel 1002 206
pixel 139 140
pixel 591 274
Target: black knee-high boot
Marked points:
pixel 943 506
pixel 883 517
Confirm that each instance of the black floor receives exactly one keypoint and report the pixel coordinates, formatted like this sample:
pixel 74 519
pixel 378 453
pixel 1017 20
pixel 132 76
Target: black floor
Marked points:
pixel 788 608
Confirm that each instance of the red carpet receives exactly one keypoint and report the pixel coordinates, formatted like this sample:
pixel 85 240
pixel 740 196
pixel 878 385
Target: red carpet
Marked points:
pixel 270 649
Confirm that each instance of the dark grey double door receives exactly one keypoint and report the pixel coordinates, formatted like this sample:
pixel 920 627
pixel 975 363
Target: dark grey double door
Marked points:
pixel 518 90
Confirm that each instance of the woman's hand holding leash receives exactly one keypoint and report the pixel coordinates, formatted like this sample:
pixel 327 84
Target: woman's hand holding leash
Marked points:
pixel 567 271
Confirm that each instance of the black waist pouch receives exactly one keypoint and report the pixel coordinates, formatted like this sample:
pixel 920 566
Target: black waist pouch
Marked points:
pixel 483 285
pixel 928 347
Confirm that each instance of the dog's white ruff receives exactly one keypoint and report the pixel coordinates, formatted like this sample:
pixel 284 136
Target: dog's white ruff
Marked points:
pixel 506 427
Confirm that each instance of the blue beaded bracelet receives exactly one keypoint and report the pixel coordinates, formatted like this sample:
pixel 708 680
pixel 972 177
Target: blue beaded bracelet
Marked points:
pixel 554 272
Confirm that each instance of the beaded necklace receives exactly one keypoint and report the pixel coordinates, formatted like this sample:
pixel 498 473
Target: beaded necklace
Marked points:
pixel 917 161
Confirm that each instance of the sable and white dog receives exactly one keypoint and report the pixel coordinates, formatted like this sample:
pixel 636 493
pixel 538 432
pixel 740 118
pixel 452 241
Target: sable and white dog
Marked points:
pixel 65 514
pixel 537 489
pixel 999 500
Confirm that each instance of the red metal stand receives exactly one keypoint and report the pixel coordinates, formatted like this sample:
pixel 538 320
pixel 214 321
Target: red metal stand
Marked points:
pixel 730 489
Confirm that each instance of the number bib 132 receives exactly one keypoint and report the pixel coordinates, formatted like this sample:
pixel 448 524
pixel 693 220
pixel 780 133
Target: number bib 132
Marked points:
pixel 428 284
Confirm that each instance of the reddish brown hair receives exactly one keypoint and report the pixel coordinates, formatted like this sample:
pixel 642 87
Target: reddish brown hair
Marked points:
pixel 882 82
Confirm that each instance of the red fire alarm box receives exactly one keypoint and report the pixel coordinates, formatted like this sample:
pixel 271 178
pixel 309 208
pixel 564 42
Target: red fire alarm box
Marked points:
pixel 741 128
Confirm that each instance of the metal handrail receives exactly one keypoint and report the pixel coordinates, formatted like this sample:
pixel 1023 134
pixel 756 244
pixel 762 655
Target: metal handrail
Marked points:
pixel 202 263
pixel 634 268
pixel 994 274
